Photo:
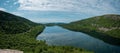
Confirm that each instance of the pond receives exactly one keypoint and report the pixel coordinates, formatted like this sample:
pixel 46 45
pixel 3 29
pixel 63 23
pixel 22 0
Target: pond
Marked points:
pixel 56 35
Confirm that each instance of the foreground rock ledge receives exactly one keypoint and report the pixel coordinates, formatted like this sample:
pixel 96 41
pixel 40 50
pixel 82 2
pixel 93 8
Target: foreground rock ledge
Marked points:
pixel 10 51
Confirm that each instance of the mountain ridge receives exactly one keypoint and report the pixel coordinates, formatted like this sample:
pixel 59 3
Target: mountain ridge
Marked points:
pixel 12 24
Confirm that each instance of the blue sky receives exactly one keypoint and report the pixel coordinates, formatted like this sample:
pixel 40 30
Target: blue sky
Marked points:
pixel 46 11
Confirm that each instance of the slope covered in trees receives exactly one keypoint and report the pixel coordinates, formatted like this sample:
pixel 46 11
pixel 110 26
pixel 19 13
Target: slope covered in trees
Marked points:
pixel 12 24
pixel 105 27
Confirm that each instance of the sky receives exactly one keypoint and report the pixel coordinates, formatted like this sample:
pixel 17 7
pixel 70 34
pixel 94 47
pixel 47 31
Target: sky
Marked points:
pixel 55 11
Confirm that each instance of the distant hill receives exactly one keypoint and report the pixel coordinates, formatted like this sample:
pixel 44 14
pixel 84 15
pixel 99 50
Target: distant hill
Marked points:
pixel 12 24
pixel 105 27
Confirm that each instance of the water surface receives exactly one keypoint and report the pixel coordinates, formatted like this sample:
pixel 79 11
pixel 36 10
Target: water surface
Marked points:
pixel 59 36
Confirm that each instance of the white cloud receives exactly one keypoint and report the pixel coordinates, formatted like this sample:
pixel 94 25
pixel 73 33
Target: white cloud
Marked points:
pixel 3 9
pixel 54 5
pixel 84 6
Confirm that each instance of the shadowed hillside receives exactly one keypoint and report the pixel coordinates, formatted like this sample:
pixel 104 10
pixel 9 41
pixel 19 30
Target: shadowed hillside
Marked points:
pixel 12 24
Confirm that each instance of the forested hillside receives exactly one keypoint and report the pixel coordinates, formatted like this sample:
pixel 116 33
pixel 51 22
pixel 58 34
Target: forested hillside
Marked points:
pixel 100 26
pixel 12 24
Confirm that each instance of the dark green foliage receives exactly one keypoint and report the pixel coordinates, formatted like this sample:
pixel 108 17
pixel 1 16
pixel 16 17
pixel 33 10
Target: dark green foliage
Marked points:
pixel 12 24
pixel 22 41
pixel 106 27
